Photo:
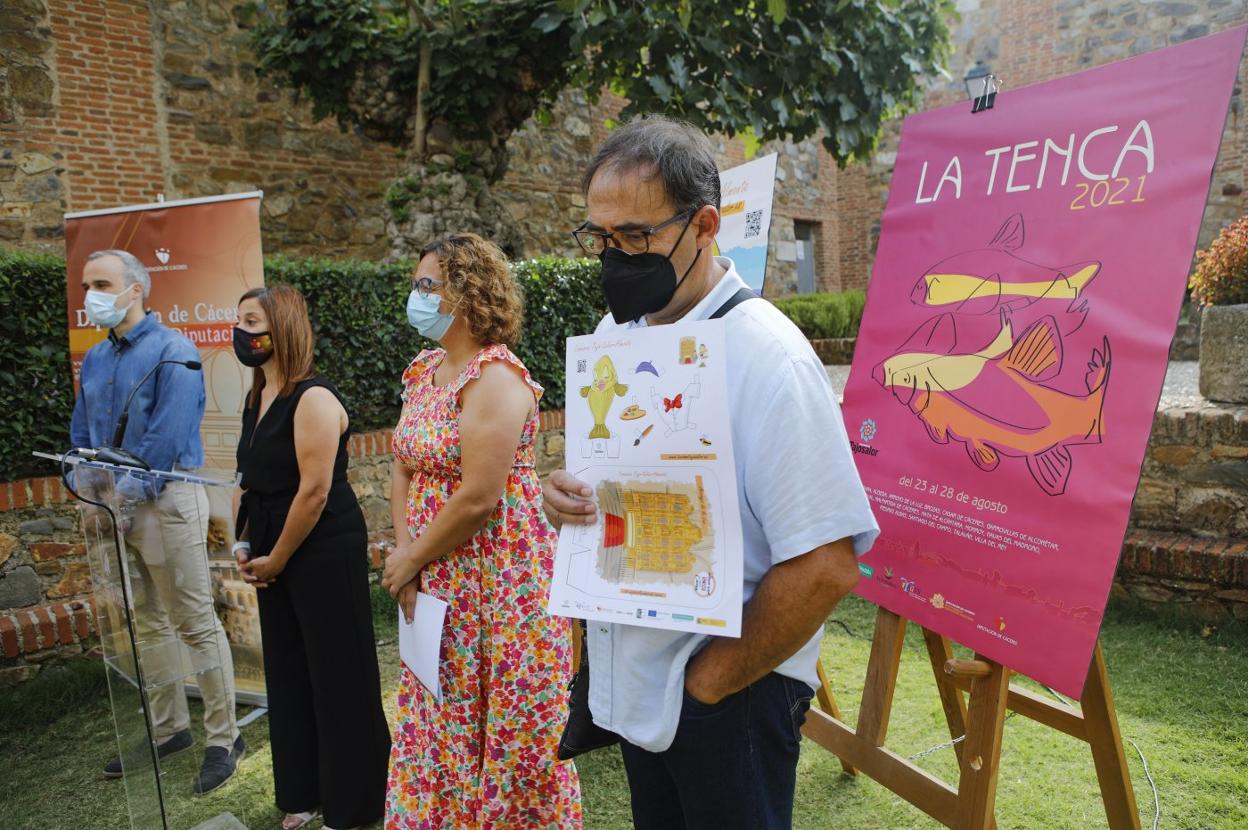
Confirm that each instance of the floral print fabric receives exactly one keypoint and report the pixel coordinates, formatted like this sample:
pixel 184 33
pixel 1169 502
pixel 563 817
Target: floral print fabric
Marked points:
pixel 485 757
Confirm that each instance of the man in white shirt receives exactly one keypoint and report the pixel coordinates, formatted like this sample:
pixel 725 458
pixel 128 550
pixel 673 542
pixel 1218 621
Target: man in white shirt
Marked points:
pixel 710 725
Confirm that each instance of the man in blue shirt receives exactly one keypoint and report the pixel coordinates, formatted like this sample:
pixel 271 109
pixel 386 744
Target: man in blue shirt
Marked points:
pixel 710 726
pixel 168 531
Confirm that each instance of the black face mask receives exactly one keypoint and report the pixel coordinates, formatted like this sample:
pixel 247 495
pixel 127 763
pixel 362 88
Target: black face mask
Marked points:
pixel 252 348
pixel 640 284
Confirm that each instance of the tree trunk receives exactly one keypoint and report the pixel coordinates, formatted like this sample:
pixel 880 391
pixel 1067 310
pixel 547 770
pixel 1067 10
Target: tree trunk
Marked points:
pixel 447 190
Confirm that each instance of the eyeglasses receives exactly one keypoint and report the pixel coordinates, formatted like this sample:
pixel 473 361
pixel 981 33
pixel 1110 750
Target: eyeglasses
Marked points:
pixel 424 286
pixel 630 242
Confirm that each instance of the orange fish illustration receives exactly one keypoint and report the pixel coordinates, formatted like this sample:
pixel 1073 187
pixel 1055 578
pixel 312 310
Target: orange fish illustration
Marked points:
pixel 996 400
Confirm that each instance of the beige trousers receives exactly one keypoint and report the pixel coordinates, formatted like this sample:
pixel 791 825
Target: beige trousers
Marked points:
pixel 173 603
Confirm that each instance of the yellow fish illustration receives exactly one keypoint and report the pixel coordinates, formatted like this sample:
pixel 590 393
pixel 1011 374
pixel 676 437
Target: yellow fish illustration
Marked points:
pixel 601 393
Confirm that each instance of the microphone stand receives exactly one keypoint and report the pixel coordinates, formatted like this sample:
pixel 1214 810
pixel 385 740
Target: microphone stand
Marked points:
pixel 115 454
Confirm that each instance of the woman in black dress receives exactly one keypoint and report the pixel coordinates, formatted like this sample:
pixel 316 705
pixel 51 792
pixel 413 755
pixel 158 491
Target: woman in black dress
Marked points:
pixel 303 544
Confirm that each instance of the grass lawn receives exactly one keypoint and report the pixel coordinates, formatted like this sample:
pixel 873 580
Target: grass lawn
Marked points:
pixel 1182 697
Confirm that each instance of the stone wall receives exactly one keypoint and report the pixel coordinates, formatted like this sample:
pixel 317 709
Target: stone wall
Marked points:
pixel 46 609
pixel 1195 475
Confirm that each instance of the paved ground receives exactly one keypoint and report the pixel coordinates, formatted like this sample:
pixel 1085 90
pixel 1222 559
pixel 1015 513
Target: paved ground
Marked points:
pixel 1181 388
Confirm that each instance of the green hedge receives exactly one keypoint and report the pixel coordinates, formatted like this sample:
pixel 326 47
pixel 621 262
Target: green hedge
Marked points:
pixel 363 341
pixel 562 298
pixel 36 390
pixel 825 315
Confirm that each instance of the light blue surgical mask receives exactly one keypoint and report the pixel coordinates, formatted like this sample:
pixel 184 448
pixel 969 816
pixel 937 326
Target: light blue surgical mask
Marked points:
pixel 423 314
pixel 102 310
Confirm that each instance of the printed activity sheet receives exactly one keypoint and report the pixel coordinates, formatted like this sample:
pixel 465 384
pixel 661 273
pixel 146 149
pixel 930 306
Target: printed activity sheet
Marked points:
pixel 647 428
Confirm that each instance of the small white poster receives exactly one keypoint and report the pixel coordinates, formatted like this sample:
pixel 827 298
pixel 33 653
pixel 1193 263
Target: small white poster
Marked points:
pixel 746 194
pixel 647 428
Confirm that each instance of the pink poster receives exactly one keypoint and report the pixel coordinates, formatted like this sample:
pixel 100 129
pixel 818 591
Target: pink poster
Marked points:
pixel 1031 266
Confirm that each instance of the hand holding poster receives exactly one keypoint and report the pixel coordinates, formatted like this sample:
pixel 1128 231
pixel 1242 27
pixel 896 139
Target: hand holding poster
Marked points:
pixel 647 429
pixel 1032 261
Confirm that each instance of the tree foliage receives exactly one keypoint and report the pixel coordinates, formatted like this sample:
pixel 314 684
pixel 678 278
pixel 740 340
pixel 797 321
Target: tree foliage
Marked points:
pixel 770 68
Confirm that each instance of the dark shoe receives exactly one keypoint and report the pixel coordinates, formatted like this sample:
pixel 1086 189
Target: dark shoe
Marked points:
pixel 219 765
pixel 177 742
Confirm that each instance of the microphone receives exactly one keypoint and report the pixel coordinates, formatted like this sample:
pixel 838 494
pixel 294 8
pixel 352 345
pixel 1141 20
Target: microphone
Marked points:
pixel 115 454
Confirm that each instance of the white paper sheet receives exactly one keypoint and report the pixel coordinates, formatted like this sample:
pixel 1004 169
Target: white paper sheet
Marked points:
pixel 420 643
pixel 647 429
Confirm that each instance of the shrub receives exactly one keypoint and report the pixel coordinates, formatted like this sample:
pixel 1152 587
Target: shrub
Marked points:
pixel 363 341
pixel 36 389
pixel 561 299
pixel 822 316
pixel 1221 274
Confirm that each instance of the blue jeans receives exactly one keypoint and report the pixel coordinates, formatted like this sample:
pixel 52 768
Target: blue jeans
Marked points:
pixel 731 765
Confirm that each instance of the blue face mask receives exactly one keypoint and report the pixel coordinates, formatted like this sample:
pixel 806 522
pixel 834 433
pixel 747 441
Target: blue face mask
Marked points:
pixel 102 309
pixel 424 316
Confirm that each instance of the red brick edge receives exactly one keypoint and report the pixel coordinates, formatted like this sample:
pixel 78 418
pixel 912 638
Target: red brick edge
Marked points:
pixel 32 492
pixel 41 627
pixel 1179 556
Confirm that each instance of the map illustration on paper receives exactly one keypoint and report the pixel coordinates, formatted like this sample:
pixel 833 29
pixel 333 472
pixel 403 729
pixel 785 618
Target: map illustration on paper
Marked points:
pixel 647 429
pixel 654 532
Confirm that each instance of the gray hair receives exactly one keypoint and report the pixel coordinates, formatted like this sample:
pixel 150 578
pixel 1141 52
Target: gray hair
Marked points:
pixel 131 269
pixel 675 151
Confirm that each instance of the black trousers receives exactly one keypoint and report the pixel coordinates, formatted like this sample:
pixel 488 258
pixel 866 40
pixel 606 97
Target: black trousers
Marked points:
pixel 328 732
pixel 731 766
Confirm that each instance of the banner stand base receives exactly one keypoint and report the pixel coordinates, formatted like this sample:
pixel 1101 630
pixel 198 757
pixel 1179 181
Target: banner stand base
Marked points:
pixel 976 728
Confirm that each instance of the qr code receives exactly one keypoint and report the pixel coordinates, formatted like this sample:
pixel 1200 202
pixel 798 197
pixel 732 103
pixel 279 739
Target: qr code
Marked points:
pixel 753 223
pixel 580 367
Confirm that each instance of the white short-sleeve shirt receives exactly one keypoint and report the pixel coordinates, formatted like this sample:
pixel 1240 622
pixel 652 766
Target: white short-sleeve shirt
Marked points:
pixel 798 489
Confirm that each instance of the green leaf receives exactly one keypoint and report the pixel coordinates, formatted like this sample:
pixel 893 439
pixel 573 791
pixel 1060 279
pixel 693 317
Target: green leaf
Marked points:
pixel 549 20
pixel 660 87
pixel 680 73
pixel 778 9
pixel 751 142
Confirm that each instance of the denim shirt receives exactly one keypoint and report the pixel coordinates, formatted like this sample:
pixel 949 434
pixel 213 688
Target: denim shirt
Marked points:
pixel 163 428
pixel 798 489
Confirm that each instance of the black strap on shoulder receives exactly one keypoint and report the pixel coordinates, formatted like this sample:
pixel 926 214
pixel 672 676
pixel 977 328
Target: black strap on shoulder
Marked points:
pixel 735 300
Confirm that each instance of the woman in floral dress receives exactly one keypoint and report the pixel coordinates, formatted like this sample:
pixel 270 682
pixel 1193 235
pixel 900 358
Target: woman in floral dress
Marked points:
pixel 470 530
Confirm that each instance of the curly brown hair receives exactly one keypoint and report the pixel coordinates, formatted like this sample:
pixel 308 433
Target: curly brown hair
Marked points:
pixel 480 281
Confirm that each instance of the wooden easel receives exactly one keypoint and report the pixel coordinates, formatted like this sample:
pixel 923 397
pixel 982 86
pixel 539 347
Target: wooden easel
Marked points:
pixel 969 806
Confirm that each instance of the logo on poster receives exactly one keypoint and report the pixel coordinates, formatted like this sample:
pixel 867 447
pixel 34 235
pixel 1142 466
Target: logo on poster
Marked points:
pixel 867 431
pixel 162 254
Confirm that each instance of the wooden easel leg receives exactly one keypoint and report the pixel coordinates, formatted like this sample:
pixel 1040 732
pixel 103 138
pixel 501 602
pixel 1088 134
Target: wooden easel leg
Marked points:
pixel 827 702
pixel 981 753
pixel 877 691
pixel 951 701
pixel 1107 750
